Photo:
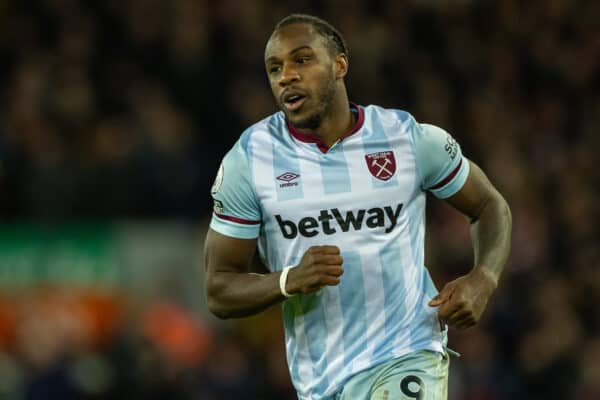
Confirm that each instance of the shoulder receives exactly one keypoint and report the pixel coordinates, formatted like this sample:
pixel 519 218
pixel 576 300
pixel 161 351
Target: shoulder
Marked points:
pixel 397 119
pixel 376 111
pixel 430 136
pixel 406 123
pixel 246 150
pixel 266 130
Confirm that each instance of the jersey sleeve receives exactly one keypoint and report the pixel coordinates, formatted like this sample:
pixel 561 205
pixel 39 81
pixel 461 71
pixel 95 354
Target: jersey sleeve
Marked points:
pixel 443 168
pixel 236 210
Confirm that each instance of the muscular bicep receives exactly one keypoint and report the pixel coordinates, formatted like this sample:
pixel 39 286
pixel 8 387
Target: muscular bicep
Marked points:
pixel 228 254
pixel 475 193
pixel 232 287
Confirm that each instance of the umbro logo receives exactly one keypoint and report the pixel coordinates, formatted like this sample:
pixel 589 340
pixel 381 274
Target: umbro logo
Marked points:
pixel 287 178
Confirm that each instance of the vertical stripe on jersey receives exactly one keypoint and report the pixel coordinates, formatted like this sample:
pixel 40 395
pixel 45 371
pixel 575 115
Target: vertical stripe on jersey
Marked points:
pixel 416 227
pixel 260 153
pixel 378 142
pixel 334 170
pixel 352 297
pixel 335 332
pixel 375 313
pixel 311 308
pixel 285 162
pixel 244 142
pixel 412 287
pixel 311 173
pixel 393 297
pixel 297 346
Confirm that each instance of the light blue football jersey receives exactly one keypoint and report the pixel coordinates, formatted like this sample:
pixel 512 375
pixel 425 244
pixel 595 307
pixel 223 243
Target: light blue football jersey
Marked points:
pixel 365 194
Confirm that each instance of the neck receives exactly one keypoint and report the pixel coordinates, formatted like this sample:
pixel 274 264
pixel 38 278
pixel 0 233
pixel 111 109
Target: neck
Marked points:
pixel 338 122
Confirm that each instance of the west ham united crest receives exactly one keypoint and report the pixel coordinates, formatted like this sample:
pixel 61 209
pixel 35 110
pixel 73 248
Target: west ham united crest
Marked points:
pixel 382 165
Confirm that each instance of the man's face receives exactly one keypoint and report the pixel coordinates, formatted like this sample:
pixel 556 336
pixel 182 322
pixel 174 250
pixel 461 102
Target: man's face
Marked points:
pixel 301 73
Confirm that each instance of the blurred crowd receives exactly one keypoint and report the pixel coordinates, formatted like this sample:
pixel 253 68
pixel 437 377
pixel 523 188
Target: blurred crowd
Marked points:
pixel 96 344
pixel 123 109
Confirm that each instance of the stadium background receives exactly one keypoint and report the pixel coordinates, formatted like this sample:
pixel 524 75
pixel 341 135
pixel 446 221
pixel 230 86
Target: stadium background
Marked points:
pixel 114 116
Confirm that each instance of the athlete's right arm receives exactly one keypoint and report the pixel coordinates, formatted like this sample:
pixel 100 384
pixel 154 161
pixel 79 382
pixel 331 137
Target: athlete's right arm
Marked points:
pixel 232 286
pixel 232 291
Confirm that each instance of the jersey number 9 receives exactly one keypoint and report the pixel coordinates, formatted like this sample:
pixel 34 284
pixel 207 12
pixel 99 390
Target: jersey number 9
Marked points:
pixel 406 390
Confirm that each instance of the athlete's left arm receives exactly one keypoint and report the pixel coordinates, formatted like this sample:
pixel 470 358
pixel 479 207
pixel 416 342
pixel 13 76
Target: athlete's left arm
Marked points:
pixel 463 300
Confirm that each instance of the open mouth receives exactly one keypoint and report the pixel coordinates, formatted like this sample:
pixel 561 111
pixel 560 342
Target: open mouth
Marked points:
pixel 293 101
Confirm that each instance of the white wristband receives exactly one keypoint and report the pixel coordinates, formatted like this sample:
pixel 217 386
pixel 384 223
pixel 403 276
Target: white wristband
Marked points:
pixel 283 280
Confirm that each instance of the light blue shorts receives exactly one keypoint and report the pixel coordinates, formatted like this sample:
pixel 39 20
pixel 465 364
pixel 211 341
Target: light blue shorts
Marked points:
pixel 422 375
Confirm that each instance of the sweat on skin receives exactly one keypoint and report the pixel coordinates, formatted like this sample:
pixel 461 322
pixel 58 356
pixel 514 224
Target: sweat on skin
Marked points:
pixel 376 217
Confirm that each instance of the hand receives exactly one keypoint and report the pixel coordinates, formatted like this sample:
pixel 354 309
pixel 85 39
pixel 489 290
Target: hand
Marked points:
pixel 463 300
pixel 320 266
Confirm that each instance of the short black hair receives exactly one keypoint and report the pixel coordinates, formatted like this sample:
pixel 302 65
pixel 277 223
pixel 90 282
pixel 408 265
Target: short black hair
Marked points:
pixel 333 38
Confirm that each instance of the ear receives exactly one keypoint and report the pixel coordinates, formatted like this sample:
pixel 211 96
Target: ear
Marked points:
pixel 340 65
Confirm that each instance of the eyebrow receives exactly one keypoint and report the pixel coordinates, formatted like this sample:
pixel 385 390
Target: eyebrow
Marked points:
pixel 297 49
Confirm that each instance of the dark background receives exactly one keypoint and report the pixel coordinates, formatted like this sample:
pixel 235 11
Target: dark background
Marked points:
pixel 119 112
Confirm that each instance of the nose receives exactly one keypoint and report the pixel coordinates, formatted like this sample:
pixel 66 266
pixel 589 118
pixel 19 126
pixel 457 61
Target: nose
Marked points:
pixel 288 75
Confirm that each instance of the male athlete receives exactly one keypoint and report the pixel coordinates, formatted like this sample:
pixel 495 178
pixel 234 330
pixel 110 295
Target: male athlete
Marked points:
pixel 333 195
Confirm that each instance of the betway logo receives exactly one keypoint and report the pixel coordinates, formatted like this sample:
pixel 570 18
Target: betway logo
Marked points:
pixel 330 221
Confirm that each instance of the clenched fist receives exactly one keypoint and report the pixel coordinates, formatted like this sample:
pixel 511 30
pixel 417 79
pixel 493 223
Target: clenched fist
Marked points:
pixel 320 266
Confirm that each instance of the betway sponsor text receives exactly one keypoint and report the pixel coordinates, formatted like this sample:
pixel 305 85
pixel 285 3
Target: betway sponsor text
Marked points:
pixel 333 220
